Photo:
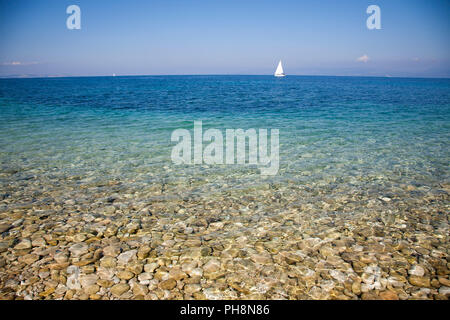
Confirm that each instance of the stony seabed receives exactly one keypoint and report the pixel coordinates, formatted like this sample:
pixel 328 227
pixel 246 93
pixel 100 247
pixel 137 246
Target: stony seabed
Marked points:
pixel 91 206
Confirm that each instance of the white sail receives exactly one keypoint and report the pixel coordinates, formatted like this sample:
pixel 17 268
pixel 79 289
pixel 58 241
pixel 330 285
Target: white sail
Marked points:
pixel 279 72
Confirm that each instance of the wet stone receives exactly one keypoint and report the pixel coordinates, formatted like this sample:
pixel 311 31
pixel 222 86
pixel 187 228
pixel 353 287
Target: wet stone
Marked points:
pixel 119 289
pixel 79 249
pixel 168 284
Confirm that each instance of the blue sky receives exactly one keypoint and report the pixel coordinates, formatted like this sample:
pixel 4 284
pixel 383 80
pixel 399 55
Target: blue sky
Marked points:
pixel 314 37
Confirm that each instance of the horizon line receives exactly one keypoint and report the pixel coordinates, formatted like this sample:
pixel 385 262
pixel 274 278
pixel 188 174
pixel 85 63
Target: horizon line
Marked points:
pixel 214 74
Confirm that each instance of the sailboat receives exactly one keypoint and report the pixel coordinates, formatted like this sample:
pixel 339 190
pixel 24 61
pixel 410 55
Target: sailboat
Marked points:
pixel 279 72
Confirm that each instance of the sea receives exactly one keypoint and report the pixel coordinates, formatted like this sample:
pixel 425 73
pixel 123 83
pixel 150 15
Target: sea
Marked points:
pixel 358 131
pixel 361 190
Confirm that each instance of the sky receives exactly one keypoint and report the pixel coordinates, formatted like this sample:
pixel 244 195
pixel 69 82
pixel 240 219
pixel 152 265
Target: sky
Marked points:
pixel 157 37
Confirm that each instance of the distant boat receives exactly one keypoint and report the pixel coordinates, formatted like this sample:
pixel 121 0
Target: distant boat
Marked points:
pixel 114 74
pixel 279 72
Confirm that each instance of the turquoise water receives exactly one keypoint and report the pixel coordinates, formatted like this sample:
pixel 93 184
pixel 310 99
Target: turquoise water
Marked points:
pixel 376 135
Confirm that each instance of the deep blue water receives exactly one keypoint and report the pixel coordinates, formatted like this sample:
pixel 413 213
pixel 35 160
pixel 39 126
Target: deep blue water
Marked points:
pixel 384 132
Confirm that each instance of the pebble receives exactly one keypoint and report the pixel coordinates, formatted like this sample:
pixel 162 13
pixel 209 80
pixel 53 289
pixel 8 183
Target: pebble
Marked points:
pixel 444 281
pixel 419 281
pixel 150 267
pixel 88 280
pixel 29 258
pixel 78 249
pixel 24 244
pixel 73 282
pixel 112 251
pixel 125 275
pixel 126 256
pixel 388 295
pixel 139 289
pixel 108 262
pixel 444 291
pixel 168 284
pixel 109 210
pixel 119 289
pixel 417 270
pixel 261 258
pixel 5 227
pixel 211 266
pixel 283 241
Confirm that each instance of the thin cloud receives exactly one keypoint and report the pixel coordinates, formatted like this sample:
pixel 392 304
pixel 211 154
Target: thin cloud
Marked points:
pixel 363 58
pixel 18 63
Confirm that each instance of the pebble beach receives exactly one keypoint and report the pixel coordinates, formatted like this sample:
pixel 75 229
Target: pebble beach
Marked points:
pixel 92 208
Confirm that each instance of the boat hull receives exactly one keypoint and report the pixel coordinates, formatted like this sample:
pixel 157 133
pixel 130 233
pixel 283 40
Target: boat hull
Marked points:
pixel 280 75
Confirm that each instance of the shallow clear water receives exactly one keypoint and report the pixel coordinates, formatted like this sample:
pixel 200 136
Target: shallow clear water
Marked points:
pixel 374 134
pixel 361 197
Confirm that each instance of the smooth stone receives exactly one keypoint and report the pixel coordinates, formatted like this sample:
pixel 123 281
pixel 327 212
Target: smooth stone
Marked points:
pixel 188 267
pixel 168 284
pixel 145 276
pixel 4 246
pixel 177 274
pixel 89 269
pixel 444 291
pixel 105 283
pixel 29 258
pixel 125 275
pixel 338 275
pixel 397 281
pixel 119 289
pixel 79 249
pixel 5 227
pixel 108 262
pixel 88 280
pixel 326 251
pixel 151 267
pixel 388 295
pixel 139 289
pixel 126 256
pixel 370 296
pixel 47 292
pixel 196 272
pixel 92 289
pixel 80 237
pixel 106 273
pixel 192 288
pixel 38 242
pixel 60 257
pixel 444 281
pixel 291 257
pixel 356 287
pixel 17 223
pixel 73 282
pixel 24 244
pixel 112 251
pixel 261 258
pixel 211 266
pixel 72 270
pixel 109 210
pixel 417 270
pixel 143 252
pixel 419 281
pixel 135 266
